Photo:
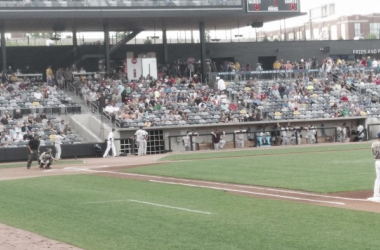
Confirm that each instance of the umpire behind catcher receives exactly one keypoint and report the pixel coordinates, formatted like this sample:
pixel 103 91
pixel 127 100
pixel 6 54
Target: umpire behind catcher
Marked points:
pixel 34 150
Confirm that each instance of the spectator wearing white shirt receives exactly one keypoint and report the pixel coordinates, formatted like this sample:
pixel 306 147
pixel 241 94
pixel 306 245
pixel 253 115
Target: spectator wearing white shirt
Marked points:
pixel 85 90
pixel 38 95
pixel 61 126
pixel 18 137
pixel 221 84
pixel 109 109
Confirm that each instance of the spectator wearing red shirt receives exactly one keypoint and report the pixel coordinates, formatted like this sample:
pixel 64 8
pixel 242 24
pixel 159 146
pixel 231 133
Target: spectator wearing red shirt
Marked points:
pixel 344 98
pixel 377 81
pixel 364 62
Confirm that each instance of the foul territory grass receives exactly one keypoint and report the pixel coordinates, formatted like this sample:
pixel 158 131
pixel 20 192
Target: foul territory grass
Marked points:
pixel 18 165
pixel 325 172
pixel 58 208
pixel 268 151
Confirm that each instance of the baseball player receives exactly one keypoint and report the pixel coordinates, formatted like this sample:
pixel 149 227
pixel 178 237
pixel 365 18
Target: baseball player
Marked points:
pixel 376 152
pixel 240 137
pixel 46 159
pixel 141 137
pixel 57 144
pixel 187 140
pixel 338 133
pixel 110 144
pixel 283 134
pixel 217 138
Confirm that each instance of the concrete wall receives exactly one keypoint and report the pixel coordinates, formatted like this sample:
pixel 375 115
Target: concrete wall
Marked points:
pixel 62 56
pixel 88 127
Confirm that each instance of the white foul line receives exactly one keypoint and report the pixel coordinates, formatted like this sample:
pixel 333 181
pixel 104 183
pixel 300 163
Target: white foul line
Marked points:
pixel 149 203
pixel 249 192
pixel 99 202
pixel 178 208
pixel 222 184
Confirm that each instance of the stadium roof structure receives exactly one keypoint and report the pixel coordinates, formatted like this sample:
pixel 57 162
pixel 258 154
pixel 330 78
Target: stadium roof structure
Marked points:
pixel 136 16
pixel 128 18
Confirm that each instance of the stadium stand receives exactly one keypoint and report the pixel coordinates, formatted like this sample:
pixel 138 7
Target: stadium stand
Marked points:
pixel 29 106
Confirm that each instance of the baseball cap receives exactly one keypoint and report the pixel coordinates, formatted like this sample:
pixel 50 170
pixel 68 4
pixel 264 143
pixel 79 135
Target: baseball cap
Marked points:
pixel 378 135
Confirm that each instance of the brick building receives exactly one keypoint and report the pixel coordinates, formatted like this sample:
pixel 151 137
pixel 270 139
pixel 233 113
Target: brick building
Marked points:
pixel 353 27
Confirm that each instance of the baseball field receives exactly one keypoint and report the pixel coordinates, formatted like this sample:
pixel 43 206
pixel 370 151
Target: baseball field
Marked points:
pixel 310 197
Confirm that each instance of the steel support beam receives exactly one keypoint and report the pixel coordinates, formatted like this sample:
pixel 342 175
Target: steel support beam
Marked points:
pixel 165 47
pixel 107 48
pixel 3 48
pixel 202 36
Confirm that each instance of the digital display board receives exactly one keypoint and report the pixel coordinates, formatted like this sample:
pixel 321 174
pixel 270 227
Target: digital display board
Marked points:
pixel 273 6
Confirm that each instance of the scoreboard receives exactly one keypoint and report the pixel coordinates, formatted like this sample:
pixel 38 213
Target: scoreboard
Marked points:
pixel 273 6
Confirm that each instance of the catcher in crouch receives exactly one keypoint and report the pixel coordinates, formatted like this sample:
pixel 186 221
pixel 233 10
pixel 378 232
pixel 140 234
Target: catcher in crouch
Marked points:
pixel 46 159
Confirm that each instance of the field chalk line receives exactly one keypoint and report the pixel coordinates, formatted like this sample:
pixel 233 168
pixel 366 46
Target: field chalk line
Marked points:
pixel 222 184
pixel 150 203
pixel 249 192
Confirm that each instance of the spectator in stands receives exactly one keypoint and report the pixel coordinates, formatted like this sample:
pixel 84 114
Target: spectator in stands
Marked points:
pixel 60 78
pixel 67 130
pixel 4 77
pixel 221 84
pixel 38 95
pixel 84 92
pixel 17 115
pixel 101 102
pixel 49 75
pixel 18 137
pixel 68 76
pixel 4 120
pixel 10 70
pixel 37 119
pixel 61 125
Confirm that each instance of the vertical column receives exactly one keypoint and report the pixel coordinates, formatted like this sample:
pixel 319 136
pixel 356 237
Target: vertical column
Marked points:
pixel 202 36
pixel 75 44
pixel 165 44
pixel 107 47
pixel 3 48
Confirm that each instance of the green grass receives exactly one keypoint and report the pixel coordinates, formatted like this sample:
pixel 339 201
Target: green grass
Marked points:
pixel 266 151
pixel 19 165
pixel 299 168
pixel 53 207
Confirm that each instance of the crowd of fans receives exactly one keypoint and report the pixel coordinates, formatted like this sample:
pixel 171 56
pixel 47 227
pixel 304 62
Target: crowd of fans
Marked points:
pixel 178 96
pixel 336 89
pixel 19 93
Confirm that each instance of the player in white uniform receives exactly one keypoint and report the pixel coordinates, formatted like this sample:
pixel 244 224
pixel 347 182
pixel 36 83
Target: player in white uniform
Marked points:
pixel 189 138
pixel 110 144
pixel 240 137
pixel 376 152
pixel 283 133
pixel 57 144
pixel 141 137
